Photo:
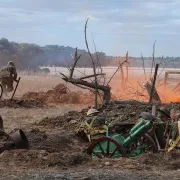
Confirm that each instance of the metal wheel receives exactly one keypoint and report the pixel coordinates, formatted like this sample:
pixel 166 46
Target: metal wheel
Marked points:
pixel 149 144
pixel 1 91
pixel 143 145
pixel 106 147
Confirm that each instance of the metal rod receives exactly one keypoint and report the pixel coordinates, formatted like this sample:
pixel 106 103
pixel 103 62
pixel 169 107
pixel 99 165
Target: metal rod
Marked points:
pixel 156 139
pixel 154 110
pixel 157 142
pixel 15 88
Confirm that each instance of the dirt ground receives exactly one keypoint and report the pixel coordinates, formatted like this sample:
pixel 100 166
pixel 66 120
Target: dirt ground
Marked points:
pixel 56 153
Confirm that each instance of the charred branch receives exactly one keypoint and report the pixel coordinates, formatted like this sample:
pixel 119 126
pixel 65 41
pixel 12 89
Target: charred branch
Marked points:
pixel 153 83
pixel 90 85
pixel 85 83
pixel 100 74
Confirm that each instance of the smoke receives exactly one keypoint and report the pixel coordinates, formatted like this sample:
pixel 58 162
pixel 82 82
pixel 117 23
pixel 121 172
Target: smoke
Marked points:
pixel 133 89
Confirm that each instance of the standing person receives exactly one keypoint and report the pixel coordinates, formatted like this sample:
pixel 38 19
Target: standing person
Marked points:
pixel 175 114
pixel 8 75
pixel 175 129
pixel 161 125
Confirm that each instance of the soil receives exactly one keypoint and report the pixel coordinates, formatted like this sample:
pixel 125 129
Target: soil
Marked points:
pixel 56 153
pixel 20 103
pixel 60 94
pixel 115 112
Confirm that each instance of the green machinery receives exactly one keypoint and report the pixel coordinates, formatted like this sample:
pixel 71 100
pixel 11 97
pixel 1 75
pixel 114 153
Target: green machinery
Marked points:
pixel 115 145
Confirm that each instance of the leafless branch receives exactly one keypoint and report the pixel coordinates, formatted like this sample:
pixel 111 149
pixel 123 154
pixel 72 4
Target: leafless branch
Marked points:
pixel 85 83
pixel 127 67
pixel 162 68
pixel 97 56
pixel 76 58
pixel 62 75
pixel 162 58
pixel 116 71
pixel 93 63
pixel 98 60
pixel 92 76
pixel 67 64
pixel 143 66
pixel 153 61
pixel 122 76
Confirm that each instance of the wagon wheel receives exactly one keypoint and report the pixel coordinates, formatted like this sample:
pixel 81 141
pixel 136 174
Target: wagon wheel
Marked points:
pixel 106 147
pixel 143 145
pixel 1 91
pixel 149 143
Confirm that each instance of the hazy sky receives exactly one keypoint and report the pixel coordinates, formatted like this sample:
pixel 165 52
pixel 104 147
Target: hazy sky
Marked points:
pixel 115 25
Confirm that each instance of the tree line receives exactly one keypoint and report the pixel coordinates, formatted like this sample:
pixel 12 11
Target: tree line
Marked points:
pixel 30 56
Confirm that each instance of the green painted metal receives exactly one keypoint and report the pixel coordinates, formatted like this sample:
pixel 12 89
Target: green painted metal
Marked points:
pixel 136 134
pixel 141 122
pixel 127 143
pixel 111 146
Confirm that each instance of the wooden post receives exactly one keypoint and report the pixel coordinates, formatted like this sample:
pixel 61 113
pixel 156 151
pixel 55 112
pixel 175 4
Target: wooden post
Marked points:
pixel 127 67
pixel 153 84
pixel 165 79
pixel 154 110
pixel 15 88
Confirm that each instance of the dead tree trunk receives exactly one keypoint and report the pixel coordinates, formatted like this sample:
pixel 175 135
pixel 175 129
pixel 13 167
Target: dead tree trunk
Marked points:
pixel 82 83
pixel 153 83
pixel 155 95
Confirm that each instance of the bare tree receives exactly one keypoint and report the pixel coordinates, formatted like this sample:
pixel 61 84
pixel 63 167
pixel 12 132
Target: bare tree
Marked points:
pixel 92 85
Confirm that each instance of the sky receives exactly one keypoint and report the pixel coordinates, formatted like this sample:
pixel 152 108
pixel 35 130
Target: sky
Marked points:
pixel 117 26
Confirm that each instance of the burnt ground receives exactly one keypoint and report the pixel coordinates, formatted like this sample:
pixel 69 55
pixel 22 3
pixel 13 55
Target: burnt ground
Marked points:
pixel 56 153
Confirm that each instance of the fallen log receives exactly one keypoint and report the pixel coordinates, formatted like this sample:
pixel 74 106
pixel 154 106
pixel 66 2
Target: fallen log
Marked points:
pixel 106 89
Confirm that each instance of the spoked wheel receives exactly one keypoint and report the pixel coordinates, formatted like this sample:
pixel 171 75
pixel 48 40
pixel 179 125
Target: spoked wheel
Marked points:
pixel 106 147
pixel 1 91
pixel 143 145
pixel 149 144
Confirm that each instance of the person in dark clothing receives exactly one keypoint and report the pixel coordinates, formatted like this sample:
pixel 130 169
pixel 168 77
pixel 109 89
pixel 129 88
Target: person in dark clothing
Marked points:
pixel 8 75
pixel 161 125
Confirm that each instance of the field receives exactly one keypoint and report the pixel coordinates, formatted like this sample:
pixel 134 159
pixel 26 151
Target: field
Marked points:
pixel 18 117
pixel 55 152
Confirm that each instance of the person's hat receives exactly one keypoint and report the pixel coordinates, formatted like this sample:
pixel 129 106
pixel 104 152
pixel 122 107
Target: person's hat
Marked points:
pixel 92 111
pixel 164 111
pixel 147 116
pixel 10 63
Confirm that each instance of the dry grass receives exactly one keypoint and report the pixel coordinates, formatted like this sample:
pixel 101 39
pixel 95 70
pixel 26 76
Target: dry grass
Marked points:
pixel 19 118
pixel 39 83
